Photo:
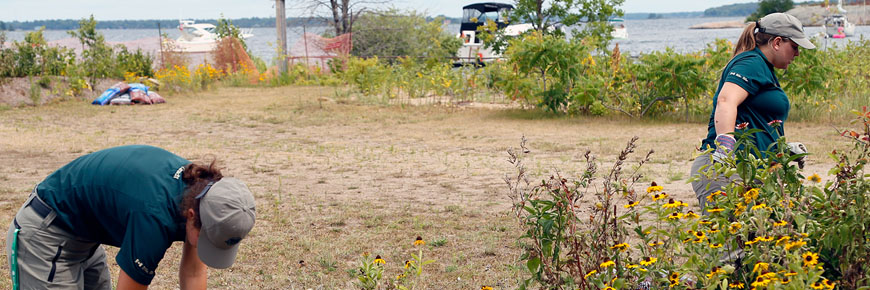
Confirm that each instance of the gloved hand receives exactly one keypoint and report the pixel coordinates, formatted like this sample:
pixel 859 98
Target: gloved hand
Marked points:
pixel 798 148
pixel 724 147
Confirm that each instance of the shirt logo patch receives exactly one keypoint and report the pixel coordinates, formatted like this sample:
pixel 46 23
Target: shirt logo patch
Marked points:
pixel 739 76
pixel 178 173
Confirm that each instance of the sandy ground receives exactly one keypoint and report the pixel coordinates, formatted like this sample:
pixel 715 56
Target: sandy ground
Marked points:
pixel 335 179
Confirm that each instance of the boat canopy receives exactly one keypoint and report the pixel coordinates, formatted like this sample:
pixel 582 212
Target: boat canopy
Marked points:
pixel 478 14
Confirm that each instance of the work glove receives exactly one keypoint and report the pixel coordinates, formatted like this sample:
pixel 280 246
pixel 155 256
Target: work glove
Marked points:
pixel 724 147
pixel 798 148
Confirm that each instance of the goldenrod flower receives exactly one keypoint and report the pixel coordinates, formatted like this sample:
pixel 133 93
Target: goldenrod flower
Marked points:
pixel 621 247
pixel 760 267
pixel 419 241
pixel 715 245
pixel 648 261
pixel 814 178
pixel 810 259
pixel 378 260
pixel 691 215
pixel 607 264
pixel 734 227
pixel 654 188
pixel 715 209
pixel 780 223
pixel 590 274
pixel 736 285
pixel 631 205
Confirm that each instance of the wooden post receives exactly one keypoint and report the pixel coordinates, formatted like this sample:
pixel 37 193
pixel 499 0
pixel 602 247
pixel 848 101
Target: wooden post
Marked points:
pixel 281 26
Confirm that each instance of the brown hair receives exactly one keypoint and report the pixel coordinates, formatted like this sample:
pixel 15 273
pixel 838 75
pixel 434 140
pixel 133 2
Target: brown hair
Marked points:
pixel 749 39
pixel 197 176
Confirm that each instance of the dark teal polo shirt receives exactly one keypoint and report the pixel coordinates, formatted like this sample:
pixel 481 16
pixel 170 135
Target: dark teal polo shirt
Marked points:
pixel 128 197
pixel 766 101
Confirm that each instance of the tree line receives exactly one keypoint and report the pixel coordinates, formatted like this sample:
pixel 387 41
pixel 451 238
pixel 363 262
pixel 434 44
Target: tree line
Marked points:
pixel 70 24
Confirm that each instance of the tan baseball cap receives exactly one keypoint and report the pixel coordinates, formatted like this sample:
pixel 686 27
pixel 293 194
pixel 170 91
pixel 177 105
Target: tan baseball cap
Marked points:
pixel 227 213
pixel 785 25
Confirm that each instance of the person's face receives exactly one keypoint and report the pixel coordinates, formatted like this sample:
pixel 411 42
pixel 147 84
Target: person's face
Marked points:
pixel 785 50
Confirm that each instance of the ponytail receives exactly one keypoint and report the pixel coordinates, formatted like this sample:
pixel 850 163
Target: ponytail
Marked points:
pixel 197 176
pixel 749 39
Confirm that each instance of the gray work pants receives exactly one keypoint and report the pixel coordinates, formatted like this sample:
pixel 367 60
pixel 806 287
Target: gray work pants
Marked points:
pixel 50 257
pixel 705 186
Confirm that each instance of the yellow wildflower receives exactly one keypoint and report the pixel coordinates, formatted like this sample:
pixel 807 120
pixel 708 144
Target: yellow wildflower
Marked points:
pixel 715 245
pixel 795 244
pixel 621 247
pixel 780 223
pixel 810 259
pixel 631 205
pixel 607 264
pixel 814 178
pixel 631 266
pixel 658 196
pixel 691 215
pixel 760 206
pixel 765 238
pixel 715 209
pixel 654 188
pixel 675 216
pixel 656 243
pixel 378 260
pixel 590 274
pixel 782 240
pixel 760 267
pixel 736 285
pixel 704 222
pixel 485 288
pixel 648 261
pixel 419 241
pixel 734 227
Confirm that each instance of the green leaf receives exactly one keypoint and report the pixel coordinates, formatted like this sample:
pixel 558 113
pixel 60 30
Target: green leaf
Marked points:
pixel 533 264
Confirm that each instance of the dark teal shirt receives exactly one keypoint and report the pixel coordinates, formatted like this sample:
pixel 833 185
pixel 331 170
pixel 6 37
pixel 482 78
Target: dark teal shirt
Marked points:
pixel 128 197
pixel 766 101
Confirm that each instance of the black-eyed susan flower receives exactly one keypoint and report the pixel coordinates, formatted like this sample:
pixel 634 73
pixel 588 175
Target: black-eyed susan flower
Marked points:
pixel 715 245
pixel 656 243
pixel 780 223
pixel 810 259
pixel 631 205
pixel 739 208
pixel 674 283
pixel 760 206
pixel 408 263
pixel 828 284
pixel 818 285
pixel 686 240
pixel 751 194
pixel 765 239
pixel 631 266
pixel 782 240
pixel 790 273
pixel 658 196
pixel 814 178
pixel 419 241
pixel 760 267
pixel 785 281
pixel 654 188
pixel 715 209
pixel 400 276
pixel 736 285
pixel 608 288
pixel 704 222
pixel 760 282
pixel 714 229
pixel 648 261
pixel 621 247
pixel 795 244
pixel 607 264
pixel 700 235
pixel 675 276
pixel 734 227
pixel 485 288
pixel 750 243
pixel 378 260
pixel 715 271
pixel 672 204
pixel 768 275
pixel 691 215
pixel 590 274
pixel 675 216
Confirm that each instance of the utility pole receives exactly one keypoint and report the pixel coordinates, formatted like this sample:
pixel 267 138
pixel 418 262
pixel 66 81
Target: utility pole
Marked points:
pixel 281 26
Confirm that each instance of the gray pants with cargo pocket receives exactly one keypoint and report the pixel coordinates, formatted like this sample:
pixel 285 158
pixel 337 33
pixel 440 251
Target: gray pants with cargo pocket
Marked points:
pixel 50 257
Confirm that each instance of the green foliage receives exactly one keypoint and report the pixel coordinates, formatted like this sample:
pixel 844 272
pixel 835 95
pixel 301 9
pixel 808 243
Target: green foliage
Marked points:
pixel 738 9
pixel 97 56
pixel 137 62
pixel 367 75
pixel 225 28
pixel 543 15
pixel 370 273
pixel 549 65
pixel 395 33
pixel 770 6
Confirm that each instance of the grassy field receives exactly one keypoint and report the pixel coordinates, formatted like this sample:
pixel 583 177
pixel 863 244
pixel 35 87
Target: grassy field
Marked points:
pixel 336 179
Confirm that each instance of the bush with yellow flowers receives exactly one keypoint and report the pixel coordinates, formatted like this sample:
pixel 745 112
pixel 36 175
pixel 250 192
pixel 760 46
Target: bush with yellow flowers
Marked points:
pixel 770 228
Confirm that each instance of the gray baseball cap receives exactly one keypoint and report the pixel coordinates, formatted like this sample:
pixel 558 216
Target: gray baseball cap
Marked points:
pixel 785 25
pixel 227 213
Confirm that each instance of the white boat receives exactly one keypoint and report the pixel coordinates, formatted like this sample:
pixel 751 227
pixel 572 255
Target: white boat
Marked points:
pixel 838 26
pixel 619 30
pixel 198 37
pixel 475 15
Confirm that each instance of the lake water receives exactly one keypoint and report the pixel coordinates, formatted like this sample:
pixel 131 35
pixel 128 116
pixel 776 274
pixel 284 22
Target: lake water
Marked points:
pixel 643 36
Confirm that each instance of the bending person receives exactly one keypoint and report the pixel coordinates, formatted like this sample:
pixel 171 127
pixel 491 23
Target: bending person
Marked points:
pixel 138 198
pixel 749 92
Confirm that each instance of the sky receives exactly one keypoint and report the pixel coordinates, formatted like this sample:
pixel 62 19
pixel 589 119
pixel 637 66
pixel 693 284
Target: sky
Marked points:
pixel 24 10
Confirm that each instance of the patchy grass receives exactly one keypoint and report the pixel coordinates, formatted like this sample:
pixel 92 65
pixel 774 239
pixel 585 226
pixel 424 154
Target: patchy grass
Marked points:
pixel 334 180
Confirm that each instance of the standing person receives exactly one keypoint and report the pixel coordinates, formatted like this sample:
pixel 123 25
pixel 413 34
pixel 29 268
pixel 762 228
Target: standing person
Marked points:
pixel 749 92
pixel 138 198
